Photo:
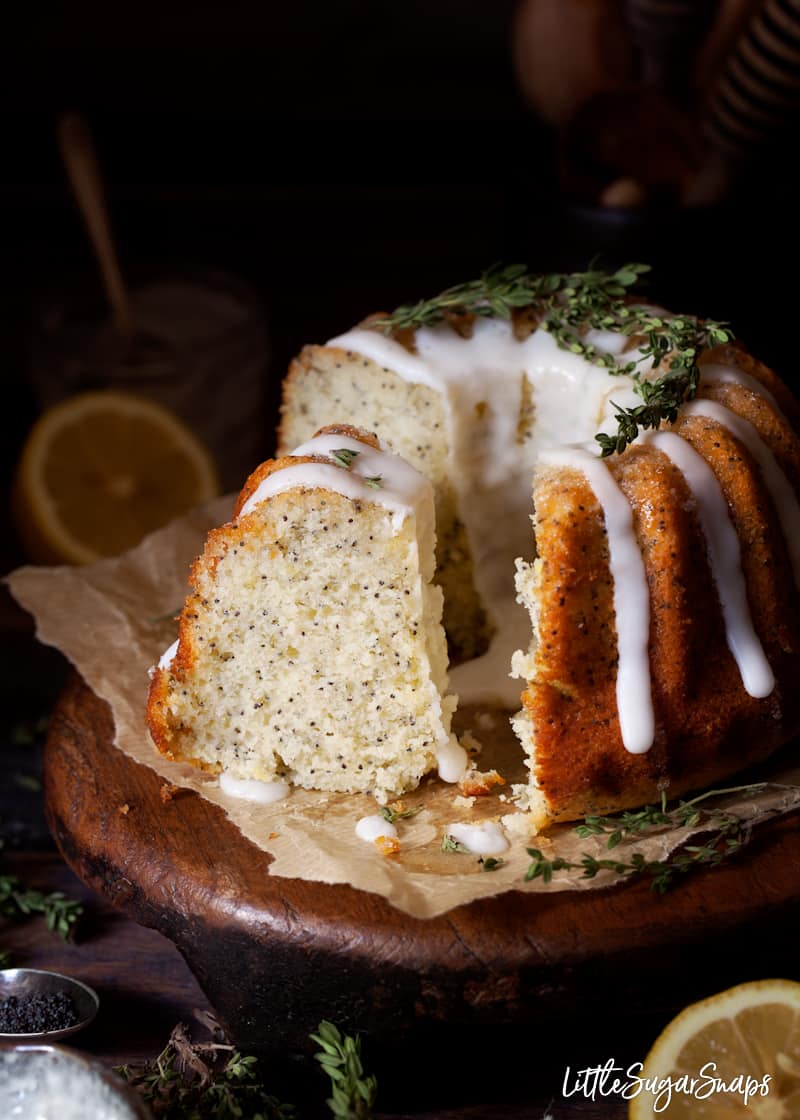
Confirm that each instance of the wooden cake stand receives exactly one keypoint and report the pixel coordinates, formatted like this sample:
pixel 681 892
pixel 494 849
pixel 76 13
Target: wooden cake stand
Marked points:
pixel 275 955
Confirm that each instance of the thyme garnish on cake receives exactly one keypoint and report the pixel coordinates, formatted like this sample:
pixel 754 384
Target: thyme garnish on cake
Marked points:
pixel 344 456
pixel 572 303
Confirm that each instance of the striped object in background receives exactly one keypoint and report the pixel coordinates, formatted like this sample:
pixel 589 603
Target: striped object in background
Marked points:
pixel 756 98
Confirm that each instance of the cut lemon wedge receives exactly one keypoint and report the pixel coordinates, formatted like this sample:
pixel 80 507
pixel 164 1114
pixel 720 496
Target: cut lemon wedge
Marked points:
pixel 101 470
pixel 741 1047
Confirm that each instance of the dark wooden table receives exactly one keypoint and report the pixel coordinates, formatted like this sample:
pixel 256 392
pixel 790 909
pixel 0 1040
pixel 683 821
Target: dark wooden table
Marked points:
pixel 145 988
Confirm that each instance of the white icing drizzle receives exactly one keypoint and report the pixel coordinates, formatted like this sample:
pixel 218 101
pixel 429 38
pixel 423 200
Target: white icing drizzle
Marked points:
pixel 776 482
pixel 248 789
pixel 631 597
pixel 401 489
pixel 724 557
pixel 481 380
pixel 371 827
pixel 168 656
pixel 451 759
pixel 485 839
pixel 712 372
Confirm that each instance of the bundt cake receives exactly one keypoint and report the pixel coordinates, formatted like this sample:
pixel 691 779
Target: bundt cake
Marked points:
pixel 310 649
pixel 653 619
pixel 618 541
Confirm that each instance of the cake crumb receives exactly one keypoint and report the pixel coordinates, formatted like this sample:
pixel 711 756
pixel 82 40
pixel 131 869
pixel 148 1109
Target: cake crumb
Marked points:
pixel 387 845
pixel 477 783
pixel 273 836
pixel 168 791
pixel 123 810
pixel 517 824
pixel 463 802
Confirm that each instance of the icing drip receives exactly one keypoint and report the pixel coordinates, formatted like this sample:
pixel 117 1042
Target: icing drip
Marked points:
pixel 249 789
pixel 168 656
pixel 780 489
pixel 482 380
pixel 486 839
pixel 400 488
pixel 451 759
pixel 371 827
pixel 631 597
pixel 724 556
pixel 731 375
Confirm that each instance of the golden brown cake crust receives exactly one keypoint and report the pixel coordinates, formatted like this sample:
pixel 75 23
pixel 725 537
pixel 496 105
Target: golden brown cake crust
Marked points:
pixel 707 726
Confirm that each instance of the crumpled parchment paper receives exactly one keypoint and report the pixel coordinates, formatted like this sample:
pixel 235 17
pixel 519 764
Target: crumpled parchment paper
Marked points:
pixel 113 620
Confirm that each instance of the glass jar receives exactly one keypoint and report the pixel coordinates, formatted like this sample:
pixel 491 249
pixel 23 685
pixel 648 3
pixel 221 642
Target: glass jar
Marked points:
pixel 199 347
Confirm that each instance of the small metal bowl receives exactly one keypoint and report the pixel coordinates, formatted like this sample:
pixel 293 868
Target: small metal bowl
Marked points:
pixel 24 982
pixel 56 1083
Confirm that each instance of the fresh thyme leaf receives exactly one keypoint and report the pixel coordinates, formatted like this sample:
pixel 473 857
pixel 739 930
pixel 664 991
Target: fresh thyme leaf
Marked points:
pixel 375 482
pixel 543 868
pixel 391 815
pixel 491 863
pixel 344 457
pixel 22 735
pixel 352 1094
pixel 450 844
pixel 28 782
pixel 26 732
pixel 17 901
pixel 570 305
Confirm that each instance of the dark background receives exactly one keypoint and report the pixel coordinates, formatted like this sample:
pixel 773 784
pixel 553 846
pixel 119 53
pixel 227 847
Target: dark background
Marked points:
pixel 339 156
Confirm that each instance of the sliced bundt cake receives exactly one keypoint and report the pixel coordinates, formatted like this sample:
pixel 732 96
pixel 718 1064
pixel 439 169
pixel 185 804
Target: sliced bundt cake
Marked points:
pixel 661 574
pixel 310 648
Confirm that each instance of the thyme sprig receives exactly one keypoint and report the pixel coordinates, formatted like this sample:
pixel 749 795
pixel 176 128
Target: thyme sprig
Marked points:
pixel 353 1093
pixel 493 296
pixel 571 304
pixel 18 901
pixel 60 913
pixel 686 814
pixel 450 844
pixel 727 833
pixel 204 1080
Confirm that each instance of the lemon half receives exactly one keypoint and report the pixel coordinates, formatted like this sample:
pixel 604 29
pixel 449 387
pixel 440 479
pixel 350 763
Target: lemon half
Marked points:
pixel 100 470
pixel 745 1038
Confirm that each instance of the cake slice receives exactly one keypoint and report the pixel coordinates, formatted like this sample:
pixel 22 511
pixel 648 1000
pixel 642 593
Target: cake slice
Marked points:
pixel 412 418
pixel 310 648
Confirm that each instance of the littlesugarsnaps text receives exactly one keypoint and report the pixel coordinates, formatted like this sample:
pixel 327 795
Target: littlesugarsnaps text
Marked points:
pixel 612 1080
